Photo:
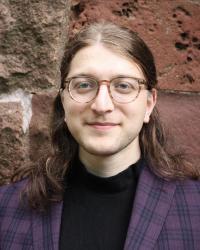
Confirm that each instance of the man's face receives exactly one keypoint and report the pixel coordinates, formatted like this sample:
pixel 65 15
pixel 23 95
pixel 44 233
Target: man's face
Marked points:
pixel 104 127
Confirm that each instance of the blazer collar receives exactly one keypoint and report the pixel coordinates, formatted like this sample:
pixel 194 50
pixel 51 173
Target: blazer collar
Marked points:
pixel 152 202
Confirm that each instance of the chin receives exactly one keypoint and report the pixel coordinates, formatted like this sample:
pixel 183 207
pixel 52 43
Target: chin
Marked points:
pixel 101 151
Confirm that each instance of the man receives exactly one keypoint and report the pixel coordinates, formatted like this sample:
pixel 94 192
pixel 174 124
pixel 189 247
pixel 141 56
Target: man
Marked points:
pixel 110 182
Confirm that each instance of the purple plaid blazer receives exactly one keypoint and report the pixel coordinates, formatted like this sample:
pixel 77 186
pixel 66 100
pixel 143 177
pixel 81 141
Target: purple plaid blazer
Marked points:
pixel 165 215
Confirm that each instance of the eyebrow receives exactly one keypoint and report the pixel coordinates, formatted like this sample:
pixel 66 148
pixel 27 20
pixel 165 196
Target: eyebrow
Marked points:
pixel 95 77
pixel 83 75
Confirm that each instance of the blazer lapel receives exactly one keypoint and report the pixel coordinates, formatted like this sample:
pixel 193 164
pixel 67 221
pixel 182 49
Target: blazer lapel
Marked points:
pixel 46 228
pixel 152 202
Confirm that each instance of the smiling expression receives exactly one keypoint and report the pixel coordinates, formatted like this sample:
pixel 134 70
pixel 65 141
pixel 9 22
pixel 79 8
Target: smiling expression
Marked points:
pixel 103 127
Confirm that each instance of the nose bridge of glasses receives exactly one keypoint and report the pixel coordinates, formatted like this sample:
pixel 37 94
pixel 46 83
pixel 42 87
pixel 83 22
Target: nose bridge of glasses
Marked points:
pixel 104 82
pixel 103 100
pixel 103 93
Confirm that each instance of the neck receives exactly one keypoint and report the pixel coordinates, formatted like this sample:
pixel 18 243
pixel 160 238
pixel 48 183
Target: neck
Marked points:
pixel 109 165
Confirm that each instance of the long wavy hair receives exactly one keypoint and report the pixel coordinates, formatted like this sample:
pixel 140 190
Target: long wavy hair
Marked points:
pixel 46 179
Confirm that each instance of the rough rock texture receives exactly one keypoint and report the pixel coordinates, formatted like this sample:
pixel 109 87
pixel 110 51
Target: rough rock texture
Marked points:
pixel 32 35
pixel 39 125
pixel 181 116
pixel 12 139
pixel 170 28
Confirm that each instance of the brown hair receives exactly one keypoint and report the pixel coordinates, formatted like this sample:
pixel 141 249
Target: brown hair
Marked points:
pixel 46 179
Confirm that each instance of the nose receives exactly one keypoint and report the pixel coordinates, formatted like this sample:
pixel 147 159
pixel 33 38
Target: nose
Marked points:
pixel 103 101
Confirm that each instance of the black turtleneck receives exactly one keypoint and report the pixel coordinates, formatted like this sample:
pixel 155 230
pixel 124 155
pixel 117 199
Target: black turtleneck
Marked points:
pixel 96 210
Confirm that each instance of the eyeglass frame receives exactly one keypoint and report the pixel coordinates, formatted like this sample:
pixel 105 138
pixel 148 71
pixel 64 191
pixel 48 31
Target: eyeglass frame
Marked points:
pixel 103 82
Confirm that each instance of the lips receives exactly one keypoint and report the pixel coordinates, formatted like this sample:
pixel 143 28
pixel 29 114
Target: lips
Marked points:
pixel 102 125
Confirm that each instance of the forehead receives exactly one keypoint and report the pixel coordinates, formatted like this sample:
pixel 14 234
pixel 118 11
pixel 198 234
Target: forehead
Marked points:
pixel 103 62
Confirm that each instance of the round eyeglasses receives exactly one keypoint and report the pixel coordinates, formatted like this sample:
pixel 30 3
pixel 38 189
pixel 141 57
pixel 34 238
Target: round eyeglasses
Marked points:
pixel 84 89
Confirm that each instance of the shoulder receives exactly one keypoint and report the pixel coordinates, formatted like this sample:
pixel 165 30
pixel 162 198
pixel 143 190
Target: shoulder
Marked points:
pixel 188 191
pixel 182 185
pixel 18 185
pixel 189 184
pixel 185 191
pixel 15 217
pixel 186 197
pixel 13 188
pixel 10 195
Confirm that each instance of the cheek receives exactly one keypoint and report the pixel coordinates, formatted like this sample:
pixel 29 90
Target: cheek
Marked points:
pixel 72 113
pixel 136 113
pixel 134 118
pixel 72 122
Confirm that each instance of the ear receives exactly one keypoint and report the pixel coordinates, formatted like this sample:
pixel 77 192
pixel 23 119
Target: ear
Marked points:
pixel 151 102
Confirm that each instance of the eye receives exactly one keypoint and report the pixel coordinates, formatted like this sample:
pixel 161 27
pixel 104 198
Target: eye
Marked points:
pixel 122 87
pixel 125 85
pixel 82 85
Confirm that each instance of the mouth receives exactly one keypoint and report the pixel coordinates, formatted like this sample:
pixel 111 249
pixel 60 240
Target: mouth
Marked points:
pixel 102 125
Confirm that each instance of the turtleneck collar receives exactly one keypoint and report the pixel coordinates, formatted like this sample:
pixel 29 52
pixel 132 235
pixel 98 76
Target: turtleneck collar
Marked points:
pixel 108 185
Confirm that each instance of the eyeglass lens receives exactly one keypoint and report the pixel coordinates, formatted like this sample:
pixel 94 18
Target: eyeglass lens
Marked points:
pixel 122 89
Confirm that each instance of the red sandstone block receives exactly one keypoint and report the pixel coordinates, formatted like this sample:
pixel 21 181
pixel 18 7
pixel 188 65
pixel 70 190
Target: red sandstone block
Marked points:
pixel 12 139
pixel 181 115
pixel 39 125
pixel 170 28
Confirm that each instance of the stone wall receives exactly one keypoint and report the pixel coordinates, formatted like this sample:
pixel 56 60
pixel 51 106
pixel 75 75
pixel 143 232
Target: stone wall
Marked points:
pixel 32 36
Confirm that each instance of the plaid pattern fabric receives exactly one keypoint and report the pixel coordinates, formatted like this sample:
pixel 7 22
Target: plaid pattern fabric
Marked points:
pixel 21 228
pixel 165 215
pixel 15 226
